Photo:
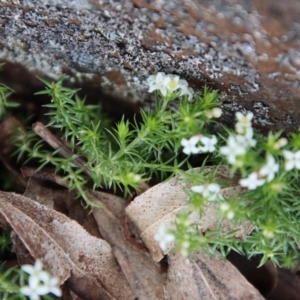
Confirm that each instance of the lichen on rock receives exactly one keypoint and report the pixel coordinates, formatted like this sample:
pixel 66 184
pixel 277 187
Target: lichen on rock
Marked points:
pixel 249 50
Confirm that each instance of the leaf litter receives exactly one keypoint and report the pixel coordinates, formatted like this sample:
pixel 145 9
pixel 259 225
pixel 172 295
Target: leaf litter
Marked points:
pixel 100 262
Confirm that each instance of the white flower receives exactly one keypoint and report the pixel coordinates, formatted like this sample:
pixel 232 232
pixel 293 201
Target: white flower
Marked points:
pixel 190 145
pixel 248 135
pixel 187 92
pixel 34 289
pixel 185 89
pixel 292 160
pixel 209 143
pixel 39 282
pixel 168 84
pixel 280 143
pixel 159 82
pixel 229 213
pixel 209 191
pixel 36 270
pixel 163 237
pixel 134 177
pixel 270 168
pixel 252 181
pixel 235 147
pixel 173 83
pixel 52 284
pixel 268 233
pixel 216 112
pixel 244 122
pixel 184 248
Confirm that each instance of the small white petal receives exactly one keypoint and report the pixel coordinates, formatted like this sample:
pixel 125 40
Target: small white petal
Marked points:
pixel 33 281
pixel 56 291
pixel 270 168
pixel 214 187
pixel 297 155
pixel 29 269
pixel 288 154
pixel 194 139
pixel 44 276
pixel 184 142
pixel 190 145
pixel 38 266
pixel 173 83
pixel 163 237
pixel 209 143
pixel 216 112
pixel 224 206
pixel 230 215
pixel 239 115
pixel 252 181
pixel 289 165
pixel 25 290
pixel 197 188
pixel 43 290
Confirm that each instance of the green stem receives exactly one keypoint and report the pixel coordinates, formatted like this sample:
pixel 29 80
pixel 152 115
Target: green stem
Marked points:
pixel 131 145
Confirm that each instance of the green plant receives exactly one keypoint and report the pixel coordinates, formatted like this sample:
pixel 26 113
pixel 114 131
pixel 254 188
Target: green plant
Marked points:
pixel 131 153
pixel 5 92
pixel 10 281
pixel 126 155
pixel 5 241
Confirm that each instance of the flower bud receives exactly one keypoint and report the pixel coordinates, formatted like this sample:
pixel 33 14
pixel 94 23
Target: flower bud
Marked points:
pixel 281 143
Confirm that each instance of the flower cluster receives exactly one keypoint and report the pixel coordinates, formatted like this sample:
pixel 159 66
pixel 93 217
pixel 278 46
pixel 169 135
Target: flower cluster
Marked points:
pixel 208 144
pixel 167 84
pixel 163 237
pixel 237 144
pixel 292 160
pixel 226 209
pixel 40 282
pixel 268 169
pixel 209 191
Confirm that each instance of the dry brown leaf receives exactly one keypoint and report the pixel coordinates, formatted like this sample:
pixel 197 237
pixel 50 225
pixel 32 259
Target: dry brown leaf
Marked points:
pixel 160 204
pixel 207 278
pixel 61 200
pixel 35 191
pixel 85 289
pixel 63 245
pixel 141 272
pixel 23 255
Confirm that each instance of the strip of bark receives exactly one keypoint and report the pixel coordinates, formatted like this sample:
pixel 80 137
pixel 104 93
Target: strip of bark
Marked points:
pixel 57 144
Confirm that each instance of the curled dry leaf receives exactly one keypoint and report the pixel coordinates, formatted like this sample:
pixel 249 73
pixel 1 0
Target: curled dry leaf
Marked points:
pixel 63 245
pixel 61 200
pixel 160 205
pixel 207 278
pixel 35 191
pixel 142 274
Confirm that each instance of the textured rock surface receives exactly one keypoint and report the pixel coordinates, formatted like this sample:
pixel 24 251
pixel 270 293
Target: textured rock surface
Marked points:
pixel 249 50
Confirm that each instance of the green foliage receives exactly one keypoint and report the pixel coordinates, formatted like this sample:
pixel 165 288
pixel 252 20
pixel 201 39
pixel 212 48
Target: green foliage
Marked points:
pixel 5 241
pixel 122 157
pixel 5 92
pixel 131 153
pixel 10 282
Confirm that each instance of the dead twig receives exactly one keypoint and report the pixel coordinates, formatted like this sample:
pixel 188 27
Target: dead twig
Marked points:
pixel 57 144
